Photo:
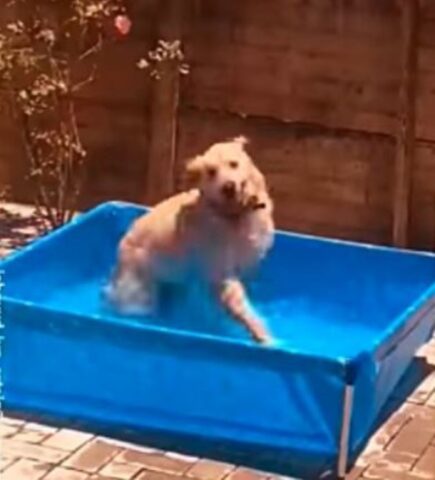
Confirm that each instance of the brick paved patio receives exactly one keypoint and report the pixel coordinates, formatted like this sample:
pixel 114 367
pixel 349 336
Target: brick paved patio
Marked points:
pixel 403 448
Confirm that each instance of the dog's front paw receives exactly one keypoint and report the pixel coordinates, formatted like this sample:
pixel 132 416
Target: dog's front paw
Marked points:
pixel 260 334
pixel 267 341
pixel 128 298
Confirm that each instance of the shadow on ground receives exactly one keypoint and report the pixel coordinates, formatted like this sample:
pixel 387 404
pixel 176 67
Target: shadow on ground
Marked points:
pixel 416 373
pixel 17 228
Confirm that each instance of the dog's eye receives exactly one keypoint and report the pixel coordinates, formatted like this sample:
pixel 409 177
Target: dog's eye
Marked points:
pixel 233 164
pixel 211 172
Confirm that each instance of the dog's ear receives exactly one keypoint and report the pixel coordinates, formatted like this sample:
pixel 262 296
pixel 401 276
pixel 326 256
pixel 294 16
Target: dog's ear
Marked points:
pixel 241 140
pixel 258 195
pixel 193 172
pixel 257 179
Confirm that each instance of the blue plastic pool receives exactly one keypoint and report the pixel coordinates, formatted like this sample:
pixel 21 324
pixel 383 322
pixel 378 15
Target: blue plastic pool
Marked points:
pixel 347 318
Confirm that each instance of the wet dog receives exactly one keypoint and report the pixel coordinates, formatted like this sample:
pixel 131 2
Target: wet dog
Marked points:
pixel 216 230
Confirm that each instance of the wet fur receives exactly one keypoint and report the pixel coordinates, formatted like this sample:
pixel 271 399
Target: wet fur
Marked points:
pixel 198 233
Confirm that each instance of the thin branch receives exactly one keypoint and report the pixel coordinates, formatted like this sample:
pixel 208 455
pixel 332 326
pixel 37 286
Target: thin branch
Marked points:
pixel 50 127
pixel 33 157
pixel 94 49
pixel 90 79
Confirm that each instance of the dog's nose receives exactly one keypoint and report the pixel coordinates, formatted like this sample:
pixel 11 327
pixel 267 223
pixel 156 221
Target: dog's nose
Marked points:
pixel 229 189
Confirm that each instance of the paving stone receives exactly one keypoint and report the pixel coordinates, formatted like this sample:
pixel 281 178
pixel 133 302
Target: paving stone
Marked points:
pixel 30 436
pixel 7 430
pixel 100 477
pixel 283 477
pixel 6 462
pixel 155 461
pixel 123 471
pixel 92 456
pixel 392 475
pixel 368 456
pixel 425 467
pixel 210 470
pixel 428 352
pixel 68 440
pixel 39 427
pixel 156 476
pixel 355 473
pixel 25 469
pixel 391 462
pixel 12 422
pixel 383 436
pixel 414 438
pixel 60 473
pixel 431 401
pixel 424 413
pixel 182 457
pixel 44 454
pixel 241 473
pixel 393 426
pixel 130 446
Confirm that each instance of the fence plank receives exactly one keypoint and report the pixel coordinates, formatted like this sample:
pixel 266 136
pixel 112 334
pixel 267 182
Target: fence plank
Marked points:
pixel 407 120
pixel 164 108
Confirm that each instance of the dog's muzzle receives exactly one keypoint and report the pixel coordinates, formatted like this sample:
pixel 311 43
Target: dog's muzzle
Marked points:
pixel 229 190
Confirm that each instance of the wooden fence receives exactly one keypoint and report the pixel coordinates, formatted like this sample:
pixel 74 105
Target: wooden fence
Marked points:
pixel 337 97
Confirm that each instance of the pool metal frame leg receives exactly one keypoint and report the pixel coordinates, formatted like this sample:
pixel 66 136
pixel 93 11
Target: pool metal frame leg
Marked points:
pixel 343 453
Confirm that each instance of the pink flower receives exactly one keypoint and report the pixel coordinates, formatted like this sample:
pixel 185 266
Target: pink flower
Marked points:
pixel 122 25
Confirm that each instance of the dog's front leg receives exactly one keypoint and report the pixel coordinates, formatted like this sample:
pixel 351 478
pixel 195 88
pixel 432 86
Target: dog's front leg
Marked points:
pixel 233 297
pixel 131 291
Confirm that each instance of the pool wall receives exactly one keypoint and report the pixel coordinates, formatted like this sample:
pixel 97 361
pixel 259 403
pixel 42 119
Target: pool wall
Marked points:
pixel 275 408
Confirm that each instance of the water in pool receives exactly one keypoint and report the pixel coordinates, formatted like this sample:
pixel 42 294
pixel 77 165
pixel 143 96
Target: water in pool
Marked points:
pixel 295 322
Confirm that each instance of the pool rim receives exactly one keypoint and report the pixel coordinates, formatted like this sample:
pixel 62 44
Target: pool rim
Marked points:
pixel 399 327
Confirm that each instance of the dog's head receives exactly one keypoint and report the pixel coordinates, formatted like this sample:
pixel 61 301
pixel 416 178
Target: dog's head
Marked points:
pixel 227 178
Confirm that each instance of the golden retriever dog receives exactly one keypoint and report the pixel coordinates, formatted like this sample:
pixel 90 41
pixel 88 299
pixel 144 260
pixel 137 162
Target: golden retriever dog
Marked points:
pixel 216 230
